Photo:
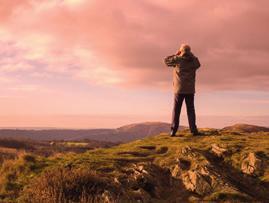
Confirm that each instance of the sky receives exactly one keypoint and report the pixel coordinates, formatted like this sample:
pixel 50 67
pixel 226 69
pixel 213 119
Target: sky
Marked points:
pixel 99 63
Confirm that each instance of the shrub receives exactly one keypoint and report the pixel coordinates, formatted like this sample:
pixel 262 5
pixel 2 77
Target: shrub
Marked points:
pixel 70 185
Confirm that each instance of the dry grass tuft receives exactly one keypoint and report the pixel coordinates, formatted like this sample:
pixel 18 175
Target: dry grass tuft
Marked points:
pixel 70 185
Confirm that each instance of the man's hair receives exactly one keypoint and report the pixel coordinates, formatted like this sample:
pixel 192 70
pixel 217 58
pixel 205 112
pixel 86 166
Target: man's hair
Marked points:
pixel 185 48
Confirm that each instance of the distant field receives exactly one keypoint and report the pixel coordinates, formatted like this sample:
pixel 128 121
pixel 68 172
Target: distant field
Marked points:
pixel 10 148
pixel 71 144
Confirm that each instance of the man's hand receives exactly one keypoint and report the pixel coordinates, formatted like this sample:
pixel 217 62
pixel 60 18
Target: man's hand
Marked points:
pixel 169 60
pixel 178 52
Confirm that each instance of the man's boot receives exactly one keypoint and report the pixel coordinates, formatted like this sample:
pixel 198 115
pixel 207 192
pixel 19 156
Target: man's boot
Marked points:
pixel 172 132
pixel 196 133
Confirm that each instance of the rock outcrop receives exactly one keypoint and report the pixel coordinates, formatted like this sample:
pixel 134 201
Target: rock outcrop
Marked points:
pixel 196 182
pixel 196 173
pixel 251 164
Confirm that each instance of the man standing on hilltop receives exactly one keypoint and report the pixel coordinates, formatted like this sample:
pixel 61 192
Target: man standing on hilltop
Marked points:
pixel 184 65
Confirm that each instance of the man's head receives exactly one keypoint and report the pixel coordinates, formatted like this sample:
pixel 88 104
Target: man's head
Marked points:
pixel 184 49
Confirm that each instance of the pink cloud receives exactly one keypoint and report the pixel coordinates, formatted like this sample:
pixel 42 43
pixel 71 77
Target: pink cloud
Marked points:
pixel 124 42
pixel 7 8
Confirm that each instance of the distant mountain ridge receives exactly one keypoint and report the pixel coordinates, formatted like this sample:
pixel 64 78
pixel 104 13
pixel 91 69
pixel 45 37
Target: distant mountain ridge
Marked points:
pixel 145 129
pixel 242 127
pixel 122 134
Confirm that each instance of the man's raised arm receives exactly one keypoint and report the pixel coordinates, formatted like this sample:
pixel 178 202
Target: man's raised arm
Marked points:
pixel 171 60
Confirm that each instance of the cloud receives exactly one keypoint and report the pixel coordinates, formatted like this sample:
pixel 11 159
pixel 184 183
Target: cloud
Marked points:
pixel 124 42
pixel 25 88
pixel 8 8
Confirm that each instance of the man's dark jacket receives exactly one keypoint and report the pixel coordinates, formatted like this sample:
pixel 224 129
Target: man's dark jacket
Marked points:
pixel 184 72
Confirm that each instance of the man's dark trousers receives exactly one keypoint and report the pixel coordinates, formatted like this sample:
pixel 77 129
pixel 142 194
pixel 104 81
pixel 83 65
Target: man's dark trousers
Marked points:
pixel 189 100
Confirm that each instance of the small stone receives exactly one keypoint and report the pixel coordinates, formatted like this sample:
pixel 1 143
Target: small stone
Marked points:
pixel 204 170
pixel 176 172
pixel 140 168
pixel 116 180
pixel 219 151
pixel 251 164
pixel 144 171
pixel 107 197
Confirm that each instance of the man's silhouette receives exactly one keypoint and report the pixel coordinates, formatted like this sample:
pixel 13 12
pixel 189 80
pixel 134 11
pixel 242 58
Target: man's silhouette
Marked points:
pixel 184 65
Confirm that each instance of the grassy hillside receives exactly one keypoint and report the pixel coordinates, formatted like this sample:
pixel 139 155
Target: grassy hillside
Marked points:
pixel 241 127
pixel 222 165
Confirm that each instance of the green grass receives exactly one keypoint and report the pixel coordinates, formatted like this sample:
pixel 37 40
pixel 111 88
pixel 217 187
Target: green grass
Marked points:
pixel 162 150
pixel 75 144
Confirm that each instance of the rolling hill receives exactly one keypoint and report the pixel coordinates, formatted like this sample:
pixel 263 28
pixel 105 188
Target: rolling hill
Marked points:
pixel 216 167
pixel 246 128
pixel 122 134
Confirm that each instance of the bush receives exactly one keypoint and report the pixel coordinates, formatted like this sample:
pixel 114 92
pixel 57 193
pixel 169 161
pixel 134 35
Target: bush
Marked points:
pixel 70 185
